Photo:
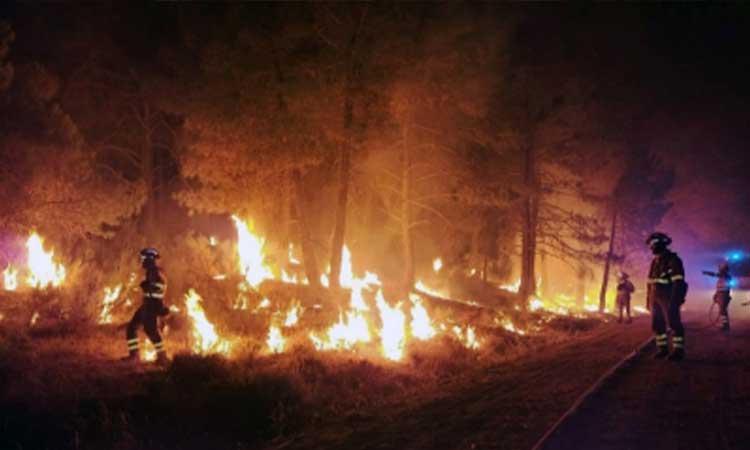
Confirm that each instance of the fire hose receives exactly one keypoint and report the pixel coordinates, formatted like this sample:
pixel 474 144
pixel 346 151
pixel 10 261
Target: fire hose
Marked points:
pixel 596 387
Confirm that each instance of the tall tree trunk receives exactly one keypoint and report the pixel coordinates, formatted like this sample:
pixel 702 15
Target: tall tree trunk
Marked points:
pixel 528 233
pixel 339 231
pixel 148 174
pixel 544 288
pixel 308 246
pixel 406 188
pixel 608 263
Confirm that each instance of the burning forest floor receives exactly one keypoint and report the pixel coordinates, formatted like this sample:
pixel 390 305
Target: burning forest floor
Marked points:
pixel 66 388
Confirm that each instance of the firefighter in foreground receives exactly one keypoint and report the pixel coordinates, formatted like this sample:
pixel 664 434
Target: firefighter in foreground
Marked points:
pixel 154 286
pixel 666 294
pixel 723 290
pixel 624 290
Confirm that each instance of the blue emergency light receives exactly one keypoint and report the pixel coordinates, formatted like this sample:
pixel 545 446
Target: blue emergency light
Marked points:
pixel 733 283
pixel 735 256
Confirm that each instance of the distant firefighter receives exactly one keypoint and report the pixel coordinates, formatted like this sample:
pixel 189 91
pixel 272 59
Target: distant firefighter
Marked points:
pixel 154 287
pixel 624 290
pixel 723 290
pixel 666 294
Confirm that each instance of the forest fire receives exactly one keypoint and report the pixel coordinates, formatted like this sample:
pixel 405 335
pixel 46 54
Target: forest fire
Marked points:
pixel 205 338
pixel 10 278
pixel 250 251
pixel 43 271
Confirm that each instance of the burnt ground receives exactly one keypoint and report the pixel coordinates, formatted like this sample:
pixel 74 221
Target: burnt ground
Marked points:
pixel 509 408
pixel 701 403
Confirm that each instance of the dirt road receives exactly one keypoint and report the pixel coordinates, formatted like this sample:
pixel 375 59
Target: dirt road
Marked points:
pixel 510 408
pixel 700 403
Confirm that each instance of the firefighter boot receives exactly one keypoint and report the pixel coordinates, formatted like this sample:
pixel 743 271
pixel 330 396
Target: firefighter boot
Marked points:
pixel 678 350
pixel 133 357
pixel 724 323
pixel 662 350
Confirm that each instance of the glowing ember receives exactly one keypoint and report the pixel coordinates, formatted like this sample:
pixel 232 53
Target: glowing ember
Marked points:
pixel 250 251
pixel 513 287
pixel 205 338
pixel 290 256
pixel 43 270
pixel 393 333
pixel 468 337
pixel 34 319
pixel 10 278
pixel 212 241
pixel 437 264
pixel 110 296
pixel 509 326
pixel 275 340
pixel 421 325
pixel 420 286
pixel 536 304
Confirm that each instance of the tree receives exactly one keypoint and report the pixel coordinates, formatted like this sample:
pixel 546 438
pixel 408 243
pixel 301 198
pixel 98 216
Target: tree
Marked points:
pixel 637 205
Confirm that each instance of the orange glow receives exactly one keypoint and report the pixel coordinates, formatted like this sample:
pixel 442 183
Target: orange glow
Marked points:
pixel 393 333
pixel 108 302
pixel 250 251
pixel 10 278
pixel 205 338
pixel 43 271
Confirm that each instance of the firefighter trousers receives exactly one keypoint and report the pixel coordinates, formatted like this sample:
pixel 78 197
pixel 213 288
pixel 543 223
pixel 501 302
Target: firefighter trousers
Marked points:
pixel 663 313
pixel 147 316
pixel 723 299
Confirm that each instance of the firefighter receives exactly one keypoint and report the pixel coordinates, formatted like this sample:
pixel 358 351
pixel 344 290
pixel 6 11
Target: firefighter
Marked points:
pixel 624 290
pixel 154 286
pixel 723 290
pixel 666 294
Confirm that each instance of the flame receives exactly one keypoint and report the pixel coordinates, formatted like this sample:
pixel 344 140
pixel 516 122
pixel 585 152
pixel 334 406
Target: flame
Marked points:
pixel 10 278
pixel 467 337
pixel 292 316
pixel 421 325
pixel 43 270
pixel 512 287
pixel 34 319
pixel 393 333
pixel 352 327
pixel 250 251
pixel 212 241
pixel 290 255
pixel 275 340
pixel 346 276
pixel 437 264
pixel 205 338
pixel 509 326
pixel 108 302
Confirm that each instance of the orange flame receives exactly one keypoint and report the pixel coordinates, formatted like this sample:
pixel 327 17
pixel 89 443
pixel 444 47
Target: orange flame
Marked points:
pixel 205 338
pixel 250 250
pixel 43 270
pixel 10 278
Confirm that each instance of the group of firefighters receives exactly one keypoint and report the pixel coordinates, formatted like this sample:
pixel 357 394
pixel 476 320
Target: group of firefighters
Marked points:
pixel 666 293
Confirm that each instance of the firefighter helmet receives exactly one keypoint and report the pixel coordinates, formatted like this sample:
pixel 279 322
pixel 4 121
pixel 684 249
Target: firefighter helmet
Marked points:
pixel 149 253
pixel 658 238
pixel 624 276
pixel 723 267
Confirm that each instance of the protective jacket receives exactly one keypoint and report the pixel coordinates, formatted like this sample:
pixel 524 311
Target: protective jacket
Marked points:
pixel 624 289
pixel 666 280
pixel 155 284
